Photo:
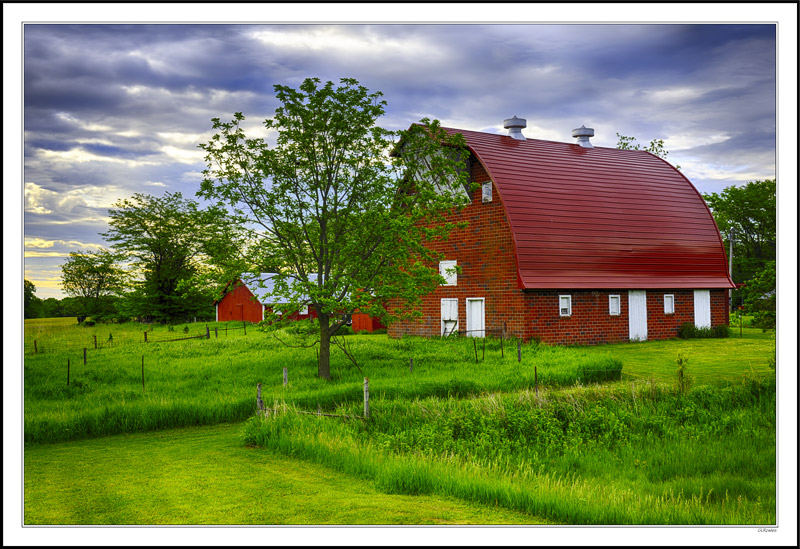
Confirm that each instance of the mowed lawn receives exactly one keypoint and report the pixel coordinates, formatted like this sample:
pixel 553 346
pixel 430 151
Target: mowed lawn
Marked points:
pixel 207 476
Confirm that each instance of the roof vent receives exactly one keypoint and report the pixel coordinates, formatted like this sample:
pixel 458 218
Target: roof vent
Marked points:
pixel 514 126
pixel 583 134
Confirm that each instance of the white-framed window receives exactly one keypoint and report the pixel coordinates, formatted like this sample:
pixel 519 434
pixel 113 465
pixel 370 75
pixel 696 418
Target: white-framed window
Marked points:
pixel 565 305
pixel 447 185
pixel 613 305
pixel 486 192
pixel 303 310
pixel 669 304
pixel 447 269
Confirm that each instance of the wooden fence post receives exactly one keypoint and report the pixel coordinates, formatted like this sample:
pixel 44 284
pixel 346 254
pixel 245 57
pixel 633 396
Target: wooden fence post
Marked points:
pixel 216 334
pixel 475 346
pixel 145 336
pixel 35 348
pixel 244 325
pixel 95 342
pixel 366 397
pixel 411 365
pixel 143 373
pixel 285 376
pixel 208 333
pixel 84 356
pixel 259 402
pixel 519 350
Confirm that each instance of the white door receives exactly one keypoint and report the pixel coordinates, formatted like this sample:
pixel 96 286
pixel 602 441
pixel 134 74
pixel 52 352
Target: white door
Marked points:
pixel 449 316
pixel 475 326
pixel 637 315
pixel 702 308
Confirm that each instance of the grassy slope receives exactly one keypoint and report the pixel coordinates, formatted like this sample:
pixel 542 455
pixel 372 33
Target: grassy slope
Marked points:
pixel 205 475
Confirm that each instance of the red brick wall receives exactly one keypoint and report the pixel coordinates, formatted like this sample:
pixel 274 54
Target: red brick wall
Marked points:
pixel 591 324
pixel 485 252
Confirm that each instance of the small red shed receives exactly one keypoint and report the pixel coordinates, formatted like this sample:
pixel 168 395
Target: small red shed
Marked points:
pixel 365 323
pixel 248 301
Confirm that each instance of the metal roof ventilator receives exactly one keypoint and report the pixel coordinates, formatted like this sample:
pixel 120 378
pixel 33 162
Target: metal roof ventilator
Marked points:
pixel 514 126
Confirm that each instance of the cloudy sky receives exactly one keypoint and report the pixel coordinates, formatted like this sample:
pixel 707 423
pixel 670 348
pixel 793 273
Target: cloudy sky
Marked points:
pixel 115 109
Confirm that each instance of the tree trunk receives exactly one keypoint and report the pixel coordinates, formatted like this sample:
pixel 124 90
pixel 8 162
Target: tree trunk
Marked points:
pixel 324 366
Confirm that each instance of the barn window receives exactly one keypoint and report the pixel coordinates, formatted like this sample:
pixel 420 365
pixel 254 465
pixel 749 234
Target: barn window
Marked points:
pixel 446 183
pixel 669 304
pixel 303 310
pixel 448 271
pixel 613 305
pixel 486 192
pixel 565 305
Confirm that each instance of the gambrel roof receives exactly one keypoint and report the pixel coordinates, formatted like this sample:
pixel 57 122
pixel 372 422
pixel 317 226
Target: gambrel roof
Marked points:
pixel 600 218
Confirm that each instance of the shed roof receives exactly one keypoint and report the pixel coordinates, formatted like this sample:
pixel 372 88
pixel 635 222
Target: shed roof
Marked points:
pixel 601 218
pixel 263 287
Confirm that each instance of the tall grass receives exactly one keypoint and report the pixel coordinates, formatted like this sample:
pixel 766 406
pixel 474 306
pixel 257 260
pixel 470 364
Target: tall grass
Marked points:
pixel 205 381
pixel 588 456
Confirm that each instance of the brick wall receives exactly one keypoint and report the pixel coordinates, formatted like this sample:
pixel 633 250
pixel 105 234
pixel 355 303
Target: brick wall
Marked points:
pixel 485 252
pixel 591 323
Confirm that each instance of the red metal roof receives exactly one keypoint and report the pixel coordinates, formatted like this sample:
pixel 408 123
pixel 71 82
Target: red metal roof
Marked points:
pixel 595 218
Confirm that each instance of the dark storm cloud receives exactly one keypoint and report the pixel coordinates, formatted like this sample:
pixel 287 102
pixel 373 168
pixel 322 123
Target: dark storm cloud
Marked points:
pixel 111 110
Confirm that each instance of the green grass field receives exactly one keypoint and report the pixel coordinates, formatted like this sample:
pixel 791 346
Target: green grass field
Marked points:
pixel 538 438
pixel 206 475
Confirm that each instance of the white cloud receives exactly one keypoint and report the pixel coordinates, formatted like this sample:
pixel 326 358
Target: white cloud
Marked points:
pixel 182 155
pixel 36 242
pixel 336 40
pixel 82 124
pixel 73 201
pixel 81 156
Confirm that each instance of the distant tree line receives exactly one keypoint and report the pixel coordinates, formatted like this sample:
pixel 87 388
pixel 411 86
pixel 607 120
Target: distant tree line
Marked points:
pixel 748 213
pixel 168 261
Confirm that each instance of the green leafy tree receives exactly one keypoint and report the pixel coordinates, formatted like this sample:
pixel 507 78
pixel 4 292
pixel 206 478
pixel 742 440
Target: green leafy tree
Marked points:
pixel 655 147
pixel 760 296
pixel 95 278
pixel 32 304
pixel 344 219
pixel 170 241
pixel 750 211
pixel 52 308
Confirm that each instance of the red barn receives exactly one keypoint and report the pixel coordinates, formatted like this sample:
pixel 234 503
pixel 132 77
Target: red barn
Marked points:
pixel 575 244
pixel 248 301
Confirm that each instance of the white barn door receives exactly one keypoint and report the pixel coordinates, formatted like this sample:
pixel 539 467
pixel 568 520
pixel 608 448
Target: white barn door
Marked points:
pixel 702 308
pixel 449 316
pixel 637 315
pixel 475 317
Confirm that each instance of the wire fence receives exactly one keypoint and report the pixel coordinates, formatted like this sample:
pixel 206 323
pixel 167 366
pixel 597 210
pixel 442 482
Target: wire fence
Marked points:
pixel 55 344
